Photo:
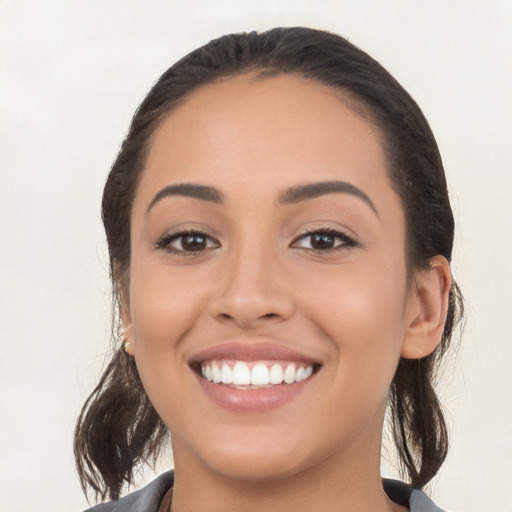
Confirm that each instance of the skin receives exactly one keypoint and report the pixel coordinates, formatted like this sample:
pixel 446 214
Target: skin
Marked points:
pixel 354 310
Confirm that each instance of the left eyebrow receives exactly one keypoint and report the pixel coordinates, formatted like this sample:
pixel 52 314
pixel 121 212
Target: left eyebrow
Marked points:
pixel 202 192
pixel 311 190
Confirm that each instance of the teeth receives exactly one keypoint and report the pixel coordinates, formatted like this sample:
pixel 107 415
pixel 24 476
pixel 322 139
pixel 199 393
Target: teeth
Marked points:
pixel 276 374
pixel 241 374
pixel 289 374
pixel 216 374
pixel 226 374
pixel 300 375
pixel 262 374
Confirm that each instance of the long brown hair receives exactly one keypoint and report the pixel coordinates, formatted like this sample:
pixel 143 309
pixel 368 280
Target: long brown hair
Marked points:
pixel 118 427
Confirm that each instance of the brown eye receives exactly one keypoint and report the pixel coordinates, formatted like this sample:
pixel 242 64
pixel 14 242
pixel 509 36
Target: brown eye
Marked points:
pixel 186 242
pixel 324 241
pixel 193 242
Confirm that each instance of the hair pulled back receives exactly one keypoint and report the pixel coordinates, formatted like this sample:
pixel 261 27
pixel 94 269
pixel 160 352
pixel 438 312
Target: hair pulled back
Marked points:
pixel 118 427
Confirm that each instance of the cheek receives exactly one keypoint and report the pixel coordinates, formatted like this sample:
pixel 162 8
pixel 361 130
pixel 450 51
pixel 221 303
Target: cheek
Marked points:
pixel 361 314
pixel 356 297
pixel 164 307
pixel 163 304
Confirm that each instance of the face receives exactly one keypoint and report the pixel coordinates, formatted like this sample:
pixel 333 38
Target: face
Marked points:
pixel 268 299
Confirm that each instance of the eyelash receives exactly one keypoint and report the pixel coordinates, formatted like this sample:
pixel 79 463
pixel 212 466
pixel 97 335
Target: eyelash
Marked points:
pixel 347 241
pixel 165 242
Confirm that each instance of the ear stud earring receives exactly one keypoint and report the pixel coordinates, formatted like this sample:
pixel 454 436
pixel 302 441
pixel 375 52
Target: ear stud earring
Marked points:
pixel 125 347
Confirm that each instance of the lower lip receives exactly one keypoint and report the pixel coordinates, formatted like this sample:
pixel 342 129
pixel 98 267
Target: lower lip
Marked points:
pixel 252 400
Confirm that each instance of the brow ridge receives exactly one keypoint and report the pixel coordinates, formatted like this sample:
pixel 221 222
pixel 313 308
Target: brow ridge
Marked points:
pixel 193 190
pixel 292 195
pixel 312 190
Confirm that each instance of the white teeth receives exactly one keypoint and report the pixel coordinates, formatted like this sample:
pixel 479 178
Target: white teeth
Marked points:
pixel 276 374
pixel 300 375
pixel 262 374
pixel 241 374
pixel 289 374
pixel 216 374
pixel 226 374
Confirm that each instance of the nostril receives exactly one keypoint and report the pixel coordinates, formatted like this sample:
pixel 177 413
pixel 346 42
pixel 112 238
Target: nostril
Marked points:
pixel 248 321
pixel 225 316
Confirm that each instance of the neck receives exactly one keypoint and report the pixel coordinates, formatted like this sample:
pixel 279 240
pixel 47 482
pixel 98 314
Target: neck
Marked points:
pixel 345 481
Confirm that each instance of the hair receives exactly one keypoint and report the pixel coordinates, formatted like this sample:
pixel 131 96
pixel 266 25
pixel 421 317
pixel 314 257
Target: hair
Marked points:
pixel 118 428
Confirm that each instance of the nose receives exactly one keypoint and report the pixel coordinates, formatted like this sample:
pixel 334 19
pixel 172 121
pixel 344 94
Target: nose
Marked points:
pixel 253 291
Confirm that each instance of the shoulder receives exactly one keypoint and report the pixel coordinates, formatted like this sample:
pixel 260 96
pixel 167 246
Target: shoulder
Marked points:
pixel 146 499
pixel 404 494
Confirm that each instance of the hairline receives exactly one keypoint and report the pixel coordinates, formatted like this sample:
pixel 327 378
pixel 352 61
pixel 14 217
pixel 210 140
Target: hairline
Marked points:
pixel 354 102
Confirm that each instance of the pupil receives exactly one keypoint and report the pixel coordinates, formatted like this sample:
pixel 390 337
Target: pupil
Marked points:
pixel 322 241
pixel 194 242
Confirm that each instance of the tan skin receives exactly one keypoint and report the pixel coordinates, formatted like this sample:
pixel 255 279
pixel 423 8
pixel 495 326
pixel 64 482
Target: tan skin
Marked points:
pixel 348 304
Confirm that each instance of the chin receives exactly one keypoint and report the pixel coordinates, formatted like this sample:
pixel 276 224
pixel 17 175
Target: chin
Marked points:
pixel 260 457
pixel 258 468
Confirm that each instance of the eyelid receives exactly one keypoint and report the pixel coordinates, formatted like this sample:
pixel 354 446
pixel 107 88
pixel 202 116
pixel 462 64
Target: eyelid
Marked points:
pixel 346 241
pixel 164 242
pixel 349 241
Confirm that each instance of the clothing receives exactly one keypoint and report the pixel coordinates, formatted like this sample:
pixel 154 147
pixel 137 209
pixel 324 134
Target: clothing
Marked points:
pixel 148 498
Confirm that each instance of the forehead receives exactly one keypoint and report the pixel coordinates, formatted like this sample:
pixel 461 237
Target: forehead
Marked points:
pixel 270 132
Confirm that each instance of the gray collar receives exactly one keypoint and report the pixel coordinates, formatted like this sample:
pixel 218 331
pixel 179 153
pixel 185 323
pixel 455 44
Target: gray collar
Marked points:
pixel 148 498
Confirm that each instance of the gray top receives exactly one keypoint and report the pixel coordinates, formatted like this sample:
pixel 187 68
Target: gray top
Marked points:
pixel 148 498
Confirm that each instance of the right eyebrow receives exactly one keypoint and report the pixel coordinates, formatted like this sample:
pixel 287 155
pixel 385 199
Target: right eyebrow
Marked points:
pixel 202 192
pixel 311 190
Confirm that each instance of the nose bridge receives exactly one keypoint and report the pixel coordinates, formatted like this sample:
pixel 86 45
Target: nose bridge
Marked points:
pixel 253 267
pixel 252 288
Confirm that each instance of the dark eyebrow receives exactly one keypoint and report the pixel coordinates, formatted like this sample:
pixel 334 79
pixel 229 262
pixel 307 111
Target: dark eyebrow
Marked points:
pixel 311 190
pixel 202 192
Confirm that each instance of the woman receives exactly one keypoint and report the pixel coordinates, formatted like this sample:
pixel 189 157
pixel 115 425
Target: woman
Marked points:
pixel 280 235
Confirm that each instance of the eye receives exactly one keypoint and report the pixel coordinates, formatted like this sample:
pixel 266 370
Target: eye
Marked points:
pixel 187 242
pixel 324 240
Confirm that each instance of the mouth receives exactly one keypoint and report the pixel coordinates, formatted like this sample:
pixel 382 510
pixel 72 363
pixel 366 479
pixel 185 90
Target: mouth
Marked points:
pixel 253 377
pixel 255 374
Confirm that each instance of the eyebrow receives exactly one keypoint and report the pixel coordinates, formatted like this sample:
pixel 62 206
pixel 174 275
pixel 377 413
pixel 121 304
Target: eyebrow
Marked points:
pixel 310 191
pixel 292 195
pixel 202 192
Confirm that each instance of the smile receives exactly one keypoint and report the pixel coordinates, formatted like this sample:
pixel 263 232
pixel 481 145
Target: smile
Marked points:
pixel 253 377
pixel 255 374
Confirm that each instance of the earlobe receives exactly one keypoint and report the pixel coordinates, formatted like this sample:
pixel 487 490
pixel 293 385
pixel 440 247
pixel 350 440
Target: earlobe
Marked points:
pixel 127 338
pixel 428 307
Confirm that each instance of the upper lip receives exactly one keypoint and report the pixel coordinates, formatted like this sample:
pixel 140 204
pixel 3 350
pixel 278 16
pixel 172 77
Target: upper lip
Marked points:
pixel 250 351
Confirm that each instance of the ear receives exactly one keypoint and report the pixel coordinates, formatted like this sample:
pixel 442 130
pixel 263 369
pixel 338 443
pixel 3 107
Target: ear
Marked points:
pixel 123 297
pixel 427 309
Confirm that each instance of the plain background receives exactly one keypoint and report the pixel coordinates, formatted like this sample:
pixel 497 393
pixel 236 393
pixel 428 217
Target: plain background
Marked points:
pixel 71 76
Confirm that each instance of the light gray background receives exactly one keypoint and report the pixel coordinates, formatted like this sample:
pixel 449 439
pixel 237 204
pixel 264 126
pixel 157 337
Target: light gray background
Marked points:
pixel 71 75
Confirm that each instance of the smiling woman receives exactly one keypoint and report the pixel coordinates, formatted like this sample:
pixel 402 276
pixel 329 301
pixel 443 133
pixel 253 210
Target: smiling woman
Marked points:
pixel 280 236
